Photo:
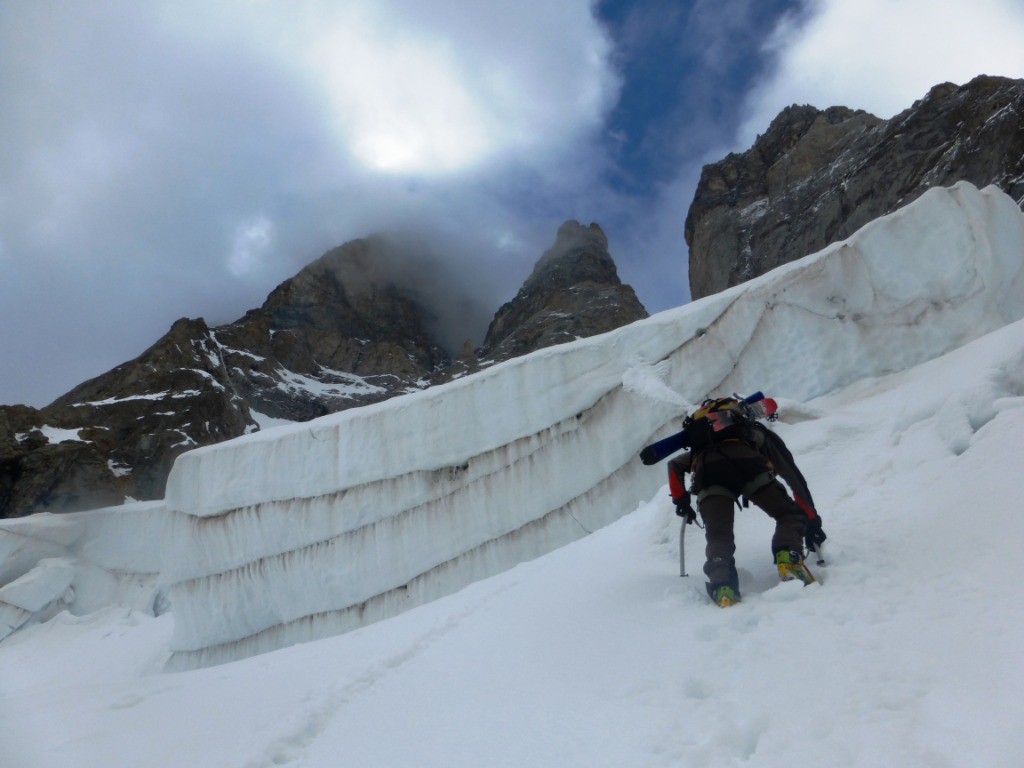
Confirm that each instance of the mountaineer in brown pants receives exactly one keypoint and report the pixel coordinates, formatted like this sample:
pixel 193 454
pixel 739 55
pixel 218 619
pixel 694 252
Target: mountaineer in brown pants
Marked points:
pixel 737 462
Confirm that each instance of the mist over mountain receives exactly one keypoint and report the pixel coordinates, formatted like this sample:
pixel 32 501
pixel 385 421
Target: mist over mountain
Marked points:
pixel 367 321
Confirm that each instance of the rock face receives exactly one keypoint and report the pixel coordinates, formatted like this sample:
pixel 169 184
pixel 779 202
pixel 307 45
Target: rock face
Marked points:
pixel 337 335
pixel 342 333
pixel 117 435
pixel 816 176
pixel 573 292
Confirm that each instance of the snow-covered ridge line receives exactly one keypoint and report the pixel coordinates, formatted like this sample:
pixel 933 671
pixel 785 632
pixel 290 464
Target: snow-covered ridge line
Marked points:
pixel 424 431
pixel 361 514
pixel 315 520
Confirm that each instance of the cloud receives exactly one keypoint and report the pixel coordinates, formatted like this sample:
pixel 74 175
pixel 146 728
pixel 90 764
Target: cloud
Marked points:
pixel 182 158
pixel 253 238
pixel 686 68
pixel 437 87
pixel 882 55
pixel 165 158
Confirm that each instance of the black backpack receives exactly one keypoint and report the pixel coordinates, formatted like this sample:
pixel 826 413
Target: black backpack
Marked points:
pixel 718 419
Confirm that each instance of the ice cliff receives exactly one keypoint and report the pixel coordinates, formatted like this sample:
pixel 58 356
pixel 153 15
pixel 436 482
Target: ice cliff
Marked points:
pixel 307 530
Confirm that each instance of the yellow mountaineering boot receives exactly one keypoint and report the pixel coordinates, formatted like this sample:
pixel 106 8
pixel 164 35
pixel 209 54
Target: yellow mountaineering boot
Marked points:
pixel 791 566
pixel 724 596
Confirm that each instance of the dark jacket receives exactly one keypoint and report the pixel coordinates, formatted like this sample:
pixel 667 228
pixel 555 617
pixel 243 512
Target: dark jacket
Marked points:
pixel 741 464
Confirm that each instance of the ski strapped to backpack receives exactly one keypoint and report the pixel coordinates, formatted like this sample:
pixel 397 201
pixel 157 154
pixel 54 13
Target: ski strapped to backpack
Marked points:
pixel 712 417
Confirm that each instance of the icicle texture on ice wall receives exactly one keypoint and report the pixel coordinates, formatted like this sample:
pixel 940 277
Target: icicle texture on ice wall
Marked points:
pixel 318 528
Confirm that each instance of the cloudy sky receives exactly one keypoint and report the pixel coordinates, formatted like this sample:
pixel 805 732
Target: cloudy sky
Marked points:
pixel 181 158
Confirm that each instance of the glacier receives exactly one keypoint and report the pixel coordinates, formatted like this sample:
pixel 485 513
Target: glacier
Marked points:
pixel 308 530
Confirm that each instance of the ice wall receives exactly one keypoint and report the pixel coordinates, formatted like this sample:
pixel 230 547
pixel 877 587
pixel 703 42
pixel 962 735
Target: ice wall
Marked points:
pixel 81 562
pixel 303 531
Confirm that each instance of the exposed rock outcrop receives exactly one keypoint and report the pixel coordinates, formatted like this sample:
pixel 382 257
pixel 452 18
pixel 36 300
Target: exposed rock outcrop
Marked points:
pixel 816 176
pixel 341 333
pixel 117 435
pixel 345 331
pixel 573 292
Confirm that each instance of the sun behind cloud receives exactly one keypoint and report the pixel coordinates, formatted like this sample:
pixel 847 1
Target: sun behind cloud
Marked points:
pixel 401 103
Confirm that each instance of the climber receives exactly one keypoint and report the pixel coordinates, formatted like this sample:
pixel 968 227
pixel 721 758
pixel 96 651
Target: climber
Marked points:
pixel 732 457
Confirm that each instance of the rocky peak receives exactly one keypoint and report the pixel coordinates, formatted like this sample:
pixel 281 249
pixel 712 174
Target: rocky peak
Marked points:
pixel 574 291
pixel 816 176
pixel 344 317
pixel 351 289
pixel 579 253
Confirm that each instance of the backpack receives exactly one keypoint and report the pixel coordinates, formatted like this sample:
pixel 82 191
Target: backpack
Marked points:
pixel 731 415
pixel 718 419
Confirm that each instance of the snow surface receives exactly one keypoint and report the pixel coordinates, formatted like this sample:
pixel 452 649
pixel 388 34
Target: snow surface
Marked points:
pixel 906 653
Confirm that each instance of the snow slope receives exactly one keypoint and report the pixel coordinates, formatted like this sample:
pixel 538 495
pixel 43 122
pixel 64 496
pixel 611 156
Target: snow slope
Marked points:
pixel 906 654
